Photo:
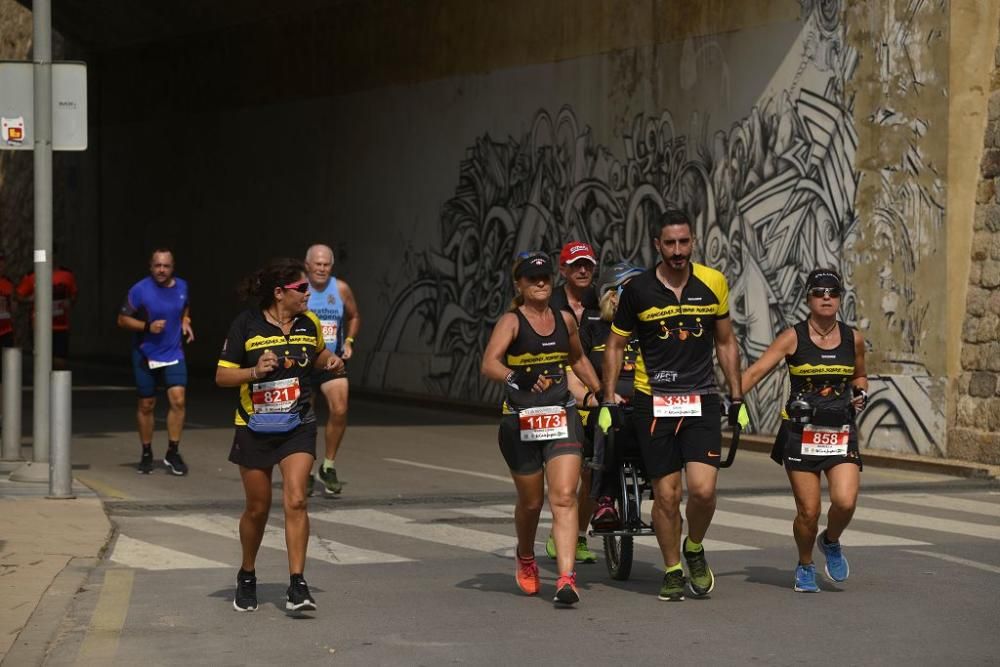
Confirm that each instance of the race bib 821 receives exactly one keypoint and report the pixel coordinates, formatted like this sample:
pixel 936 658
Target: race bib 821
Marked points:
pixel 275 396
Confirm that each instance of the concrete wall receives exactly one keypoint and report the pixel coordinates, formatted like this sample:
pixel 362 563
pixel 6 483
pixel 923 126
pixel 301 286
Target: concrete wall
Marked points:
pixel 976 427
pixel 430 141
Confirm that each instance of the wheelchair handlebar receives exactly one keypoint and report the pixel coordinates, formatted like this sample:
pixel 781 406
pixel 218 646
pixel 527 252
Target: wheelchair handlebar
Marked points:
pixel 734 443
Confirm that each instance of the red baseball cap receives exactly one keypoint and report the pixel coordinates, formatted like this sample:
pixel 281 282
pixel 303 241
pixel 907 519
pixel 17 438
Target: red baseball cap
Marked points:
pixel 577 250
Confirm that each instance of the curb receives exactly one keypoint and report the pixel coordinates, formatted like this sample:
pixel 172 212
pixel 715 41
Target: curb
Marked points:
pixel 883 459
pixel 755 443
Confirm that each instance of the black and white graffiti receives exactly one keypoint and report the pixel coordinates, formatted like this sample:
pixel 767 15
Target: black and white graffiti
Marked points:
pixel 771 198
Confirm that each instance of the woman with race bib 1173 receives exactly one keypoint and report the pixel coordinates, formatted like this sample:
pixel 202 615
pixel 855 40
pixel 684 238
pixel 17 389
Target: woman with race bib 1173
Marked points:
pixel 540 429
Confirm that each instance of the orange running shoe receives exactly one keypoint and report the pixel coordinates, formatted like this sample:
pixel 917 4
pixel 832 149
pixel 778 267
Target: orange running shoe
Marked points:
pixel 526 575
pixel 566 592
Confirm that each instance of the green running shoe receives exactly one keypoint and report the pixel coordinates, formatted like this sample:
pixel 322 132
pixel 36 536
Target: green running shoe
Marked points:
pixel 583 552
pixel 672 589
pixel 328 478
pixel 550 547
pixel 701 581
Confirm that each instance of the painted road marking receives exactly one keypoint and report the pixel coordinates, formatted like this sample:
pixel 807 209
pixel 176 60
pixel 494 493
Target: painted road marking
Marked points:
pixel 852 538
pixel 711 544
pixel 471 473
pixel 941 502
pixel 319 548
pixel 644 540
pixel 887 516
pixel 101 643
pixel 134 553
pixel 956 559
pixel 102 489
pixel 454 536
pixel 485 512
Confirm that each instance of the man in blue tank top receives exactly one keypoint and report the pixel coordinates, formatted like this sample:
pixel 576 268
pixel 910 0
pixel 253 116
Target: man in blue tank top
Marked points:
pixel 333 303
pixel 156 310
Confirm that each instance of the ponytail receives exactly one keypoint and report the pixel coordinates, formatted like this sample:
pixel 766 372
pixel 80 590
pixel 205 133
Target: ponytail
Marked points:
pixel 260 284
pixel 516 302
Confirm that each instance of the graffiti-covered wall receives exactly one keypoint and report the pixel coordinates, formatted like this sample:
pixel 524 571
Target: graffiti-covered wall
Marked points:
pixel 759 150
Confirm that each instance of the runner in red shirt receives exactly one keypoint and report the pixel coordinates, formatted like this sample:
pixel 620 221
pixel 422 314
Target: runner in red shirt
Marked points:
pixel 63 298
pixel 6 306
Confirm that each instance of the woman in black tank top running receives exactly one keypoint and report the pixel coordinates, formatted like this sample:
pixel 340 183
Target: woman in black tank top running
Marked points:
pixel 826 366
pixel 540 436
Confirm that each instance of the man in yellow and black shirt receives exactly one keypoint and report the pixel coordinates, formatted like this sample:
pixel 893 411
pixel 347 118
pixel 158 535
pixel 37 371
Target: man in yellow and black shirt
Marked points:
pixel 679 311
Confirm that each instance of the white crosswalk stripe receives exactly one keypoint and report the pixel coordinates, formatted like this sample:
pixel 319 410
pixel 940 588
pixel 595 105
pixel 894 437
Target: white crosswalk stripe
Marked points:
pixel 454 536
pixel 138 554
pixel 437 525
pixel 936 501
pixel 921 521
pixel 274 538
pixel 783 527
pixel 646 541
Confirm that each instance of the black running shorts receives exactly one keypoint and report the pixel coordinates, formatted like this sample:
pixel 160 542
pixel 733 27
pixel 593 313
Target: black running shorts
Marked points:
pixel 526 458
pixel 320 377
pixel 667 443
pixel 265 451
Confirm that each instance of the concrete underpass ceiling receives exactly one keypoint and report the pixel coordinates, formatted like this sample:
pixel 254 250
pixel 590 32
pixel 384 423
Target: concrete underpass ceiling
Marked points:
pixel 105 25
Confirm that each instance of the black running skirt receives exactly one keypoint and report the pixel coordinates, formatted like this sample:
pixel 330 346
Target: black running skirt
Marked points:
pixel 252 450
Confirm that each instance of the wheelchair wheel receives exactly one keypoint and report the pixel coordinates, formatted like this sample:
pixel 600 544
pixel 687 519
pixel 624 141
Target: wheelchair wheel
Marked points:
pixel 618 556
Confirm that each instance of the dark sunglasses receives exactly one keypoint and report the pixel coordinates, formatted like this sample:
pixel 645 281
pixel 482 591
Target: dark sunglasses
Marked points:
pixel 301 287
pixel 820 292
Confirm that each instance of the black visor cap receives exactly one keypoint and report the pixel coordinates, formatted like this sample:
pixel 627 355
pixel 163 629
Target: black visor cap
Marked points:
pixel 534 266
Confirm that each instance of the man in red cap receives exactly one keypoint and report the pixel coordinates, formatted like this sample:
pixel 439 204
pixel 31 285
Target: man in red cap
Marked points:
pixel 578 265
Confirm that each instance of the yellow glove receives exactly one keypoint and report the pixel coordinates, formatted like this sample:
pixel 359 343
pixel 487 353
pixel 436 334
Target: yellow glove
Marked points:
pixel 743 417
pixel 737 413
pixel 609 417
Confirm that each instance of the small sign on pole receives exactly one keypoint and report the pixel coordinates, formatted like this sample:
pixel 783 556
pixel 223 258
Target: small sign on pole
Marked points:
pixel 12 130
pixel 17 106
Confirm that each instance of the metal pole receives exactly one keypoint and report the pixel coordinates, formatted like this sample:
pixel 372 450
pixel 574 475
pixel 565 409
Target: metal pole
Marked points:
pixel 41 11
pixel 60 465
pixel 11 451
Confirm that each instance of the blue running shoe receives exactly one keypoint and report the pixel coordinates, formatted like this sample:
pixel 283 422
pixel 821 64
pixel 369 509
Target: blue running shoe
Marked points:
pixel 836 567
pixel 805 579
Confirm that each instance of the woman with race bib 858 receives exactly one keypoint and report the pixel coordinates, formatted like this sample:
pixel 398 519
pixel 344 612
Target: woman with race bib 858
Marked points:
pixel 826 365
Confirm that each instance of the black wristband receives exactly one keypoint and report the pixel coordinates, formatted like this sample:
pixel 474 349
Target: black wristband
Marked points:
pixel 145 327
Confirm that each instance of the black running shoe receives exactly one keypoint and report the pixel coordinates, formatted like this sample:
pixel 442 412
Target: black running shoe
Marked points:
pixel 299 598
pixel 672 589
pixel 145 463
pixel 246 592
pixel 175 463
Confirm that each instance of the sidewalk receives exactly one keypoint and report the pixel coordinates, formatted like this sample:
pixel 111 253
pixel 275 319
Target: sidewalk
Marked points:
pixel 47 548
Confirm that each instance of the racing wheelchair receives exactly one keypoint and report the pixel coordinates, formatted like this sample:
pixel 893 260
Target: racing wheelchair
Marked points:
pixel 633 488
